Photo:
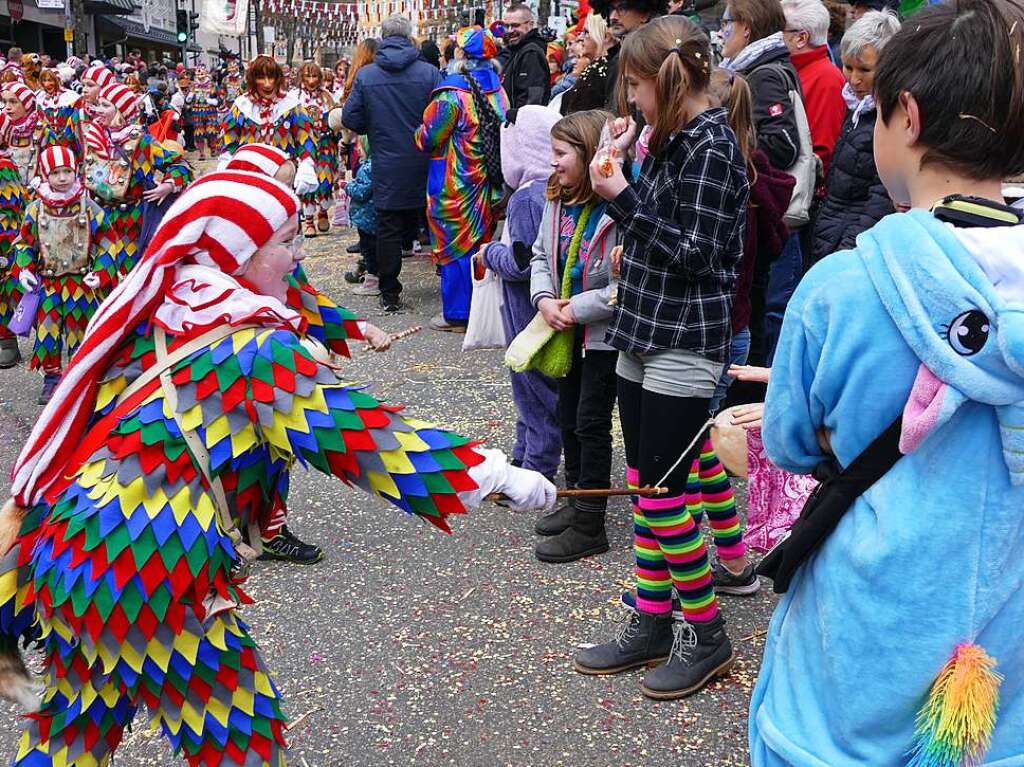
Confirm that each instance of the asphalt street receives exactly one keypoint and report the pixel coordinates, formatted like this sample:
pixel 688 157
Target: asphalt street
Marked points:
pixel 406 646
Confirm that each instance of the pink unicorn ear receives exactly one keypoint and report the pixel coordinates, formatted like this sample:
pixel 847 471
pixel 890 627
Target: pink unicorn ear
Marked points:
pixel 931 403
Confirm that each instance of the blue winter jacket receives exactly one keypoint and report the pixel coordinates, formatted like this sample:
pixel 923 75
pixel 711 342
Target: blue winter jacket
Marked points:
pixel 387 102
pixel 360 194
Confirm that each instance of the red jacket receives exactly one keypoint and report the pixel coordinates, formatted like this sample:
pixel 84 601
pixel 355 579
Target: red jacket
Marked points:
pixel 822 84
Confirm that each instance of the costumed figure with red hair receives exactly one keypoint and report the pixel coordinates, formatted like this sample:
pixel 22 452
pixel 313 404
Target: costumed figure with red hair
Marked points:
pixel 26 131
pixel 65 252
pixel 31 66
pixel 193 389
pixel 128 170
pixel 12 211
pixel 60 114
pixel 205 115
pixel 269 113
pixel 317 103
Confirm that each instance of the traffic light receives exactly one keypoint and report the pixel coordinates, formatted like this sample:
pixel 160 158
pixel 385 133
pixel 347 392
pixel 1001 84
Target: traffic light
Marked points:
pixel 181 25
pixel 193 24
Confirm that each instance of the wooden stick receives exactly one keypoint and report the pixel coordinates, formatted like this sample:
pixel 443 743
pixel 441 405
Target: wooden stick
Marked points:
pixel 411 331
pixel 645 492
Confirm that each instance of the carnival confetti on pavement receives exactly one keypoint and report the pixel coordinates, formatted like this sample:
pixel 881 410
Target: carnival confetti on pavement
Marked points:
pixel 409 647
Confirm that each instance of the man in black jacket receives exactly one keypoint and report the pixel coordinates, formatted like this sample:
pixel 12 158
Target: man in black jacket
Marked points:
pixel 527 78
pixel 623 17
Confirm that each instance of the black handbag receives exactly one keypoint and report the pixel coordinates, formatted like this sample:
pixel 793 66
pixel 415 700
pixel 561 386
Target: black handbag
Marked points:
pixel 828 503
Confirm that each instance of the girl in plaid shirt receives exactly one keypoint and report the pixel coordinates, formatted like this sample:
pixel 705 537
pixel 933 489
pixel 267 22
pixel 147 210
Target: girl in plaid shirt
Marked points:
pixel 682 222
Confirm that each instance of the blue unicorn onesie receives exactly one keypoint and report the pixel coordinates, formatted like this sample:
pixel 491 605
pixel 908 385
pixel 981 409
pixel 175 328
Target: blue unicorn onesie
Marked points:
pixel 891 643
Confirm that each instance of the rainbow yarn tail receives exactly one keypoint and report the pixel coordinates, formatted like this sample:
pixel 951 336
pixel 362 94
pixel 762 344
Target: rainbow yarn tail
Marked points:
pixel 954 728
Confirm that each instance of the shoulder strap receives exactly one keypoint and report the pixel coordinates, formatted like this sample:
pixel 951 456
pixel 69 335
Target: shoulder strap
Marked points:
pixel 249 552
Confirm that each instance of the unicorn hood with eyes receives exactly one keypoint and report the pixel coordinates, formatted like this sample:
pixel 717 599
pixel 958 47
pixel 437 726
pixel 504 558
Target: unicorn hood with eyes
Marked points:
pixel 900 640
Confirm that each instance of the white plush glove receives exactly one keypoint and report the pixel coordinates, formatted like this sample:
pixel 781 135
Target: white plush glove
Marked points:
pixel 91 280
pixel 526 490
pixel 223 160
pixel 29 281
pixel 306 181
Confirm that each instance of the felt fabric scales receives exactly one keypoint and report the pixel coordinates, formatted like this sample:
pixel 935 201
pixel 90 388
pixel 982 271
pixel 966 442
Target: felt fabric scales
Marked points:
pixel 129 574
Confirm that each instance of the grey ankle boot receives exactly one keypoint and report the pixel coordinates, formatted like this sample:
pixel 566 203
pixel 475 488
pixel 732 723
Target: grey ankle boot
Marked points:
pixel 643 638
pixel 9 353
pixel 700 652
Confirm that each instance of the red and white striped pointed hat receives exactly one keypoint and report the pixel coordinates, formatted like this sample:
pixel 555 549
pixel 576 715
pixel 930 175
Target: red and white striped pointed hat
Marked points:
pixel 24 94
pixel 220 221
pixel 99 74
pixel 123 98
pixel 258 158
pixel 54 157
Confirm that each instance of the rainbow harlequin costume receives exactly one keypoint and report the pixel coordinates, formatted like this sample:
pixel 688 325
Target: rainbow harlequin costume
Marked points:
pixel 118 169
pixel 205 116
pixel 67 303
pixel 12 210
pixel 317 106
pixel 914 602
pixel 459 199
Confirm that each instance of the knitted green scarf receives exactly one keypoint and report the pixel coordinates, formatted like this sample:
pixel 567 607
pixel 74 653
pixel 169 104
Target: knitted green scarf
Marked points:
pixel 555 357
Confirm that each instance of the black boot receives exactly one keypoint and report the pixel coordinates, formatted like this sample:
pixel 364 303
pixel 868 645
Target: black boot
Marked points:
pixel 557 521
pixel 353 248
pixel 10 355
pixel 585 537
pixel 50 381
pixel 644 638
pixel 700 652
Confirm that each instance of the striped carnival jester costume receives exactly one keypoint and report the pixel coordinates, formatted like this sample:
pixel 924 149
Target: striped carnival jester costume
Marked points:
pixel 205 114
pixel 12 210
pixel 125 167
pixel 165 440
pixel 65 251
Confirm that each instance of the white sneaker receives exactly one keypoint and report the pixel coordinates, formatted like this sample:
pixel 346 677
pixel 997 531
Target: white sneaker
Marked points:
pixel 370 286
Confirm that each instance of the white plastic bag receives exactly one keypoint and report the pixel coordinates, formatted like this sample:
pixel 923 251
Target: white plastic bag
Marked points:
pixel 485 330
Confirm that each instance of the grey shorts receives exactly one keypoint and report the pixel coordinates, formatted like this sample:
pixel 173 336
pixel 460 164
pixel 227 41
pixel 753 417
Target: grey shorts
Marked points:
pixel 673 372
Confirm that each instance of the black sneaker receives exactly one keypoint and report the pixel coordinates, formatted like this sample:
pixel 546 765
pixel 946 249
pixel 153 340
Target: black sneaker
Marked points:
pixel 10 355
pixel 575 542
pixel 556 522
pixel 628 600
pixel 286 547
pixel 742 585
pixel 642 639
pixel 356 275
pixel 390 304
pixel 700 652
pixel 50 381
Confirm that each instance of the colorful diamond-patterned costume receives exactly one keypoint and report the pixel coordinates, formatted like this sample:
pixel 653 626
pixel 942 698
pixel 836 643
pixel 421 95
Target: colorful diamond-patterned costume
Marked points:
pixel 61 244
pixel 118 169
pixel 205 115
pixel 158 446
pixel 60 117
pixel 12 209
pixel 279 122
pixel 317 105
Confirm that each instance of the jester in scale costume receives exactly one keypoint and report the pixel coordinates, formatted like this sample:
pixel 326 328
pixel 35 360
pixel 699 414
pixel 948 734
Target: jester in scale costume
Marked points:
pixel 126 166
pixel 12 209
pixel 60 114
pixel 205 115
pixel 65 252
pixel 162 444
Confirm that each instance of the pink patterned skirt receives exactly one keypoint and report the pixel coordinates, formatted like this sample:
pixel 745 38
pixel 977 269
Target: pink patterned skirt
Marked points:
pixel 775 497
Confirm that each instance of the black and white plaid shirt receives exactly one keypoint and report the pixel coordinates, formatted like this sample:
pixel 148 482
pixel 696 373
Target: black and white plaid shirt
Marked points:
pixel 682 222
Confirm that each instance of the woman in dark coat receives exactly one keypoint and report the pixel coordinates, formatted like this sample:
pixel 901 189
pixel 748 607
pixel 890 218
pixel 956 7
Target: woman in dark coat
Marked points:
pixel 855 198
